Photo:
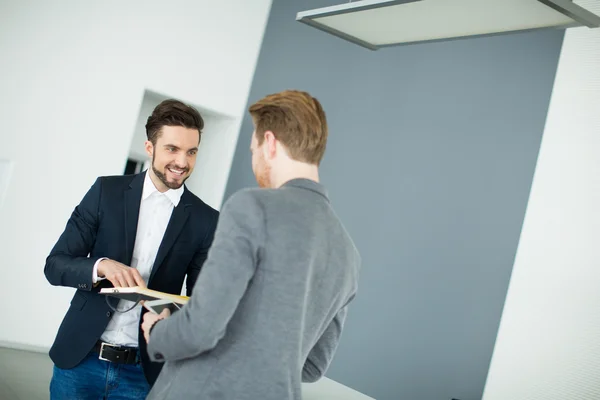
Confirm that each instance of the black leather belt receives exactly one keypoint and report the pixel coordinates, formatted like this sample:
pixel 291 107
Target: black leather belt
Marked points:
pixel 117 354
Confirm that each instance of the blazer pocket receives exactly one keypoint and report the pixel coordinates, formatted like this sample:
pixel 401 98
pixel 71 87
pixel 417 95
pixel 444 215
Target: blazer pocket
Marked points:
pixel 78 301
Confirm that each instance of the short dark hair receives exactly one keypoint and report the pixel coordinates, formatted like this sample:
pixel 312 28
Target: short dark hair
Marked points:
pixel 297 120
pixel 172 112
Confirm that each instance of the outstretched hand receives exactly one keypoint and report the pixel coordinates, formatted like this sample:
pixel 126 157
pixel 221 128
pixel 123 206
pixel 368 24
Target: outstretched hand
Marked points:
pixel 120 275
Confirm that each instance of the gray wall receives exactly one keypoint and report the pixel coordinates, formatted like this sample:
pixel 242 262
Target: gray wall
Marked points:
pixel 430 160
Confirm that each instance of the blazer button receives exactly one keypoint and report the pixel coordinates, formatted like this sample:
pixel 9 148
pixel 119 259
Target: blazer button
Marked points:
pixel 108 314
pixel 158 356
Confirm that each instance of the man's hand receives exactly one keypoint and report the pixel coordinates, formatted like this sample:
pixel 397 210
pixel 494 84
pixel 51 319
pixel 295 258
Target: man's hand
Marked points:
pixel 119 274
pixel 150 319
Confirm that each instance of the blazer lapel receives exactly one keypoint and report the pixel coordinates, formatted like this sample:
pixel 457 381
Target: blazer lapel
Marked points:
pixel 176 224
pixel 133 198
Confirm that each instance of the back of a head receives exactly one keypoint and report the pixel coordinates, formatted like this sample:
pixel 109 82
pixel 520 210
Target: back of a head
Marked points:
pixel 297 120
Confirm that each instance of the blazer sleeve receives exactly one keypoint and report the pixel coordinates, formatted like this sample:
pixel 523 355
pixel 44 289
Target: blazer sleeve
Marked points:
pixel 231 265
pixel 68 263
pixel 322 353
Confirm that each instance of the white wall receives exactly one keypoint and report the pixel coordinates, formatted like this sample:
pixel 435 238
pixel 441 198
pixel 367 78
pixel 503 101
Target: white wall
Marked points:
pixel 218 137
pixel 5 175
pixel 548 345
pixel 72 77
pixel 137 150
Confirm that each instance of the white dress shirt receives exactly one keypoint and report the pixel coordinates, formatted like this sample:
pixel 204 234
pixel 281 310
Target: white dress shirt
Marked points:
pixel 155 212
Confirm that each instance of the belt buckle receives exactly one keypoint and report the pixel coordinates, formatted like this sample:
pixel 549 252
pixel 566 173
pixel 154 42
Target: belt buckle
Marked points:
pixel 102 350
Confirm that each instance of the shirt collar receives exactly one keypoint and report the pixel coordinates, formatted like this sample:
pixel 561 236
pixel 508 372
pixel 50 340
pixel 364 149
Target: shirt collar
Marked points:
pixel 307 184
pixel 174 195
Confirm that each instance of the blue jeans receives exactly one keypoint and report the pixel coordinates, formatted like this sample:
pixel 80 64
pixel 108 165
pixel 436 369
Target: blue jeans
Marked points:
pixel 95 379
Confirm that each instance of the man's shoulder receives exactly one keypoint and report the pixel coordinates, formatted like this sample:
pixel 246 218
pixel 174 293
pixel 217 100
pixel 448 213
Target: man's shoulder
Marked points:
pixel 198 204
pixel 120 179
pixel 249 197
pixel 117 181
pixel 258 198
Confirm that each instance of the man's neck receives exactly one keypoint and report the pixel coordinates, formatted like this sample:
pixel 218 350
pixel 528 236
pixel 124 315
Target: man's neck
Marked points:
pixel 297 171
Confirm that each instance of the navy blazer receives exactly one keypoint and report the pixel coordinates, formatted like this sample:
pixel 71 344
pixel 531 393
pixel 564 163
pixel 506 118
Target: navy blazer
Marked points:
pixel 104 224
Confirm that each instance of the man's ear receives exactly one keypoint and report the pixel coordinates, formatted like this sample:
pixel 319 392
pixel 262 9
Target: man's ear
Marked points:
pixel 270 145
pixel 149 148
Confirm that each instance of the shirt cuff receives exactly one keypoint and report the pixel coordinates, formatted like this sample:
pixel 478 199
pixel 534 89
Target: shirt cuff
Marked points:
pixel 95 277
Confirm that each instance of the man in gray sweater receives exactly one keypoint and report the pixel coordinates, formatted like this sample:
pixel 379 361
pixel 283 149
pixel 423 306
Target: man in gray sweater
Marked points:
pixel 269 305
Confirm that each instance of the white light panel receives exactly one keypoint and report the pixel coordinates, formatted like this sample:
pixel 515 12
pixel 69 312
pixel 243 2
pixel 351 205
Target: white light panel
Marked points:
pixel 382 23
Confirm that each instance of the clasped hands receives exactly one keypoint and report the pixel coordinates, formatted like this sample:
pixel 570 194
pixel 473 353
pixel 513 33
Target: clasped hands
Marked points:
pixel 150 319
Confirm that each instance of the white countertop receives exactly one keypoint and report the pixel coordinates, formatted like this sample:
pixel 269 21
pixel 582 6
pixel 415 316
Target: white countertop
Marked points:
pixel 327 389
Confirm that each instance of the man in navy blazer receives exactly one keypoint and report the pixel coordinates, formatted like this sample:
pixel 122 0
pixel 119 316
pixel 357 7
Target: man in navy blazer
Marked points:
pixel 137 230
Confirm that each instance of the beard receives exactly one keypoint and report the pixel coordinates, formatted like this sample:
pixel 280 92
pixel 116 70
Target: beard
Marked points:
pixel 163 178
pixel 263 174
